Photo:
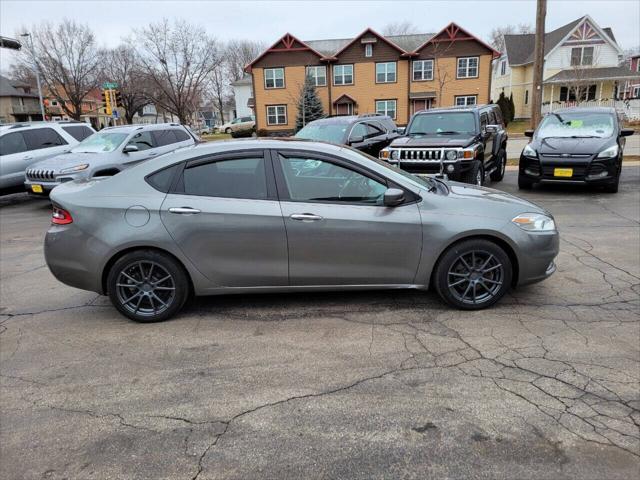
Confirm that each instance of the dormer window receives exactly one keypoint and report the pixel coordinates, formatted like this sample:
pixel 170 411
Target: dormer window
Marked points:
pixel 368 50
pixel 581 56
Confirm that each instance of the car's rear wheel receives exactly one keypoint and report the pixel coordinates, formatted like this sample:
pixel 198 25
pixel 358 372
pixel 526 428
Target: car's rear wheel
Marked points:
pixel 147 286
pixel 498 174
pixel 473 274
pixel 524 184
pixel 227 130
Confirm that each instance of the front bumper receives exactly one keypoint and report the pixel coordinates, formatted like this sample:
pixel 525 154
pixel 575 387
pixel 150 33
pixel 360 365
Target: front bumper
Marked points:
pixel 39 188
pixel 536 255
pixel 587 170
pixel 451 168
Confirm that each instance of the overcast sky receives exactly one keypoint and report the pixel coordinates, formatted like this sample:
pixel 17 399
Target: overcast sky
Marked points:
pixel 310 20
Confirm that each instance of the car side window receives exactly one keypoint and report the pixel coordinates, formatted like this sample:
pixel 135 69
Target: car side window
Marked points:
pixel 233 178
pixel 79 132
pixel 359 130
pixel 374 130
pixel 181 135
pixel 498 115
pixel 483 121
pixel 38 138
pixel 492 118
pixel 164 137
pixel 313 180
pixel 142 140
pixel 12 143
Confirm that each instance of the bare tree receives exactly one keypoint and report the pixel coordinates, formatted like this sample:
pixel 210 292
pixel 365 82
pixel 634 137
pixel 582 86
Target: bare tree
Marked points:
pixel 178 61
pixel 120 65
pixel 23 74
pixel 67 59
pixel 239 53
pixel 496 37
pixel 219 89
pixel 399 28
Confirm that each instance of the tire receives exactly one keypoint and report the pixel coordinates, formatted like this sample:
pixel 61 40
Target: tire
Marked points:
pixel 524 184
pixel 462 284
pixel 131 283
pixel 615 185
pixel 498 174
pixel 474 176
pixel 227 131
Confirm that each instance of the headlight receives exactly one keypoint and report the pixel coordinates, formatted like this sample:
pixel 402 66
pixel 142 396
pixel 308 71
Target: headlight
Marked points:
pixel 535 222
pixel 451 155
pixel 529 151
pixel 384 153
pixel 610 152
pixel 466 153
pixel 395 154
pixel 76 168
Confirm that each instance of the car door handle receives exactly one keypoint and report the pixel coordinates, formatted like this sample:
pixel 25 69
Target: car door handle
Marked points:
pixel 184 210
pixel 27 158
pixel 305 217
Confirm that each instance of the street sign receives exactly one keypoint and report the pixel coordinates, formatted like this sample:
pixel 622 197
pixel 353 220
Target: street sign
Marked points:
pixel 109 85
pixel 114 114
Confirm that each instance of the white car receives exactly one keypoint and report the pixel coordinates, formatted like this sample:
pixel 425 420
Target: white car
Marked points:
pixel 23 144
pixel 237 125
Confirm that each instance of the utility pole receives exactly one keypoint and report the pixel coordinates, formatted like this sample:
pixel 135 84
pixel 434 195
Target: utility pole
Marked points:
pixel 538 64
pixel 37 73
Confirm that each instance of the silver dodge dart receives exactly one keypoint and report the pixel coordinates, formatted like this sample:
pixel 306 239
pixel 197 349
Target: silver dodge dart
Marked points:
pixel 289 215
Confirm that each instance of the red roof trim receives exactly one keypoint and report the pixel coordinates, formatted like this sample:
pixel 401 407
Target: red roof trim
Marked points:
pixel 288 40
pixel 452 30
pixel 344 95
pixel 372 31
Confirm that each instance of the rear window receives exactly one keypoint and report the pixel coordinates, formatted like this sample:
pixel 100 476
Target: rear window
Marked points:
pixel 38 138
pixel 164 137
pixel 181 135
pixel 234 178
pixel 79 132
pixel 162 179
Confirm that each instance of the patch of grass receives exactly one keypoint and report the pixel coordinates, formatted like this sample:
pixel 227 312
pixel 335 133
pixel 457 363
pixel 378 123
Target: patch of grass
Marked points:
pixel 518 126
pixel 214 137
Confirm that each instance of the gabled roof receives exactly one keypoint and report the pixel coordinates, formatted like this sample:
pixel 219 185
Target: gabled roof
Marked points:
pixel 519 47
pixel 288 43
pixel 331 46
pixel 453 32
pixel 344 98
pixel 7 88
pixel 375 34
pixel 593 74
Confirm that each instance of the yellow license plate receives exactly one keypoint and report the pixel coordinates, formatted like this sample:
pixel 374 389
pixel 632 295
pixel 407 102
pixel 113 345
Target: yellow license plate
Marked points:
pixel 36 188
pixel 563 172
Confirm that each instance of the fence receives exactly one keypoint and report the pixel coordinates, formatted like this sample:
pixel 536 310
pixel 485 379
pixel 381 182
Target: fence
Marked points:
pixel 629 109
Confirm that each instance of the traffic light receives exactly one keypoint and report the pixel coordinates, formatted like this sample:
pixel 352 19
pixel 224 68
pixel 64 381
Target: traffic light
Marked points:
pixel 107 101
pixel 117 101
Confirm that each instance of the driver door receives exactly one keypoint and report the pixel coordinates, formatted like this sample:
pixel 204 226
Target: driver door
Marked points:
pixel 338 230
pixel 147 148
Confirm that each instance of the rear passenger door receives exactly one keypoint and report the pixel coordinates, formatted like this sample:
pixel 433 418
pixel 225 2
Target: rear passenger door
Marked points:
pixel 14 159
pixel 43 143
pixel 225 216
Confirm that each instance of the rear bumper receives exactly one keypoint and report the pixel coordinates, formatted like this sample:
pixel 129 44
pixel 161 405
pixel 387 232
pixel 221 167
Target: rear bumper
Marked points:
pixel 589 171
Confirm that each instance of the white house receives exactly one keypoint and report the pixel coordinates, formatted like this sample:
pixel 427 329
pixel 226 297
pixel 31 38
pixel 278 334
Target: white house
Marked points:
pixel 243 93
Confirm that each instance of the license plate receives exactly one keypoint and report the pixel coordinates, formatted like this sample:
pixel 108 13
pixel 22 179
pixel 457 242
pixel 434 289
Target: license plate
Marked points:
pixel 36 188
pixel 563 172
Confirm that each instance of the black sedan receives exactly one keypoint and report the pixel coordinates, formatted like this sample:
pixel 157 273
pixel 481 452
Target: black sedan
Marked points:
pixel 575 145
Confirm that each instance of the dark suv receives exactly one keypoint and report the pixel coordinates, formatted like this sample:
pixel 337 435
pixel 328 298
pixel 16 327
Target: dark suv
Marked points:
pixel 466 143
pixel 368 133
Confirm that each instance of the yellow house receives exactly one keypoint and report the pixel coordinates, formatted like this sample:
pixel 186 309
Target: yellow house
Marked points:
pixel 394 75
pixel 581 66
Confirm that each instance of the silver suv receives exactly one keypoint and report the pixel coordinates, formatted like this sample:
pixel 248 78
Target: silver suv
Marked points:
pixel 23 144
pixel 106 153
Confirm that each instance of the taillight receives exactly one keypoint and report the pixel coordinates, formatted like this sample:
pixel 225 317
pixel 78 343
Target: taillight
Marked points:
pixel 61 217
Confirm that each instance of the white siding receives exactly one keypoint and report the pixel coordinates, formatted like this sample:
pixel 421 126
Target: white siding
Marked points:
pixel 603 56
pixel 242 93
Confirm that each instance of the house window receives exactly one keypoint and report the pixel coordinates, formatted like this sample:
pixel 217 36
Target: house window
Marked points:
pixel 343 75
pixel 422 70
pixel 274 78
pixel 503 67
pixel 581 56
pixel 368 50
pixel 636 92
pixel 386 107
pixel 464 100
pixel 386 72
pixel 467 67
pixel 318 75
pixel 526 97
pixel 571 94
pixel 276 114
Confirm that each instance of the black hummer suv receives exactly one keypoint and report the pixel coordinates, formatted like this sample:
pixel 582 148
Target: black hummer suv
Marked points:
pixel 465 143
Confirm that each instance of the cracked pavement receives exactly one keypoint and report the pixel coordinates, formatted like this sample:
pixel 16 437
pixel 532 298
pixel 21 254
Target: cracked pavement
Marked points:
pixel 545 385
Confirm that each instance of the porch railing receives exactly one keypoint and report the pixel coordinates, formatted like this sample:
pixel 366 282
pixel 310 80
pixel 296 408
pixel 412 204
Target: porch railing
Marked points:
pixel 629 109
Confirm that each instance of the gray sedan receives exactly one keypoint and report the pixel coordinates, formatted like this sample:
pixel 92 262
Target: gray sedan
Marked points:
pixel 281 215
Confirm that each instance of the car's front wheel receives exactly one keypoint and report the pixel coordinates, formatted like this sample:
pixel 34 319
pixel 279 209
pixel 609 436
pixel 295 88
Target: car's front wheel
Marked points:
pixel 475 175
pixel 524 183
pixel 473 274
pixel 147 286
pixel 227 130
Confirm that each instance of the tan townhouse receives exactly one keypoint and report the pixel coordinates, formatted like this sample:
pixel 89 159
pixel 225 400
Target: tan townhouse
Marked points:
pixel 395 75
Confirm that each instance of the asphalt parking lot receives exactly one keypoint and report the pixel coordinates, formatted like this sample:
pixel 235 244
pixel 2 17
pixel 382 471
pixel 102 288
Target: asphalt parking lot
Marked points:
pixel 362 385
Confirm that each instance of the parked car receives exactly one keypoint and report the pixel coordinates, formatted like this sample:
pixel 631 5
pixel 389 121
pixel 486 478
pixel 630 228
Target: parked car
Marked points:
pixel 465 143
pixel 267 215
pixel 23 144
pixel 369 133
pixel 106 153
pixel 575 145
pixel 238 124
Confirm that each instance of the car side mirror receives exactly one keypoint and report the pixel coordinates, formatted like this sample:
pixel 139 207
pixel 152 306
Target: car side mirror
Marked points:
pixel 528 133
pixel 393 197
pixel 626 132
pixel 356 139
pixel 129 148
pixel 492 128
pixel 401 130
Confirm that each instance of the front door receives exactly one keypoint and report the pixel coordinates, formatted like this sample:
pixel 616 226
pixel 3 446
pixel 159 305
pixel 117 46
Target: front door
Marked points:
pixel 338 230
pixel 225 217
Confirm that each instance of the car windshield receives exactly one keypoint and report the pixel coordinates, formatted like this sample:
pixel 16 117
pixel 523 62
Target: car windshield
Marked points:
pixel 577 125
pixel 449 123
pixel 100 142
pixel 327 132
